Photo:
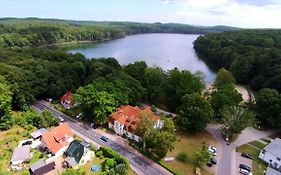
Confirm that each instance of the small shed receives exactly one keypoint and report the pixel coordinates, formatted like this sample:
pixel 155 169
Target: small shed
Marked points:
pixel 41 167
pixel 38 133
pixel 20 155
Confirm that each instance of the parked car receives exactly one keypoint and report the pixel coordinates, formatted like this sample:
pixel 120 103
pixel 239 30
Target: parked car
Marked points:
pixel 61 119
pixel 103 138
pixel 213 161
pixel 209 164
pixel 246 155
pixel 243 171
pixel 79 116
pixel 212 150
pixel 245 167
pixel 29 142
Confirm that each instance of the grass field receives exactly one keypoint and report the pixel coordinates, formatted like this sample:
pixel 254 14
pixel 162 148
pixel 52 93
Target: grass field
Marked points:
pixel 9 140
pixel 189 143
pixel 258 165
pixel 257 144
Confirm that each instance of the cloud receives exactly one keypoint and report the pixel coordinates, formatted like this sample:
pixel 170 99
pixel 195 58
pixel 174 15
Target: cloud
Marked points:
pixel 241 13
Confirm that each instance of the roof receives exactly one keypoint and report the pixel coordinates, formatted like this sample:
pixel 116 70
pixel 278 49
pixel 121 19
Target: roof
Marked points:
pixel 57 137
pixel 274 147
pixel 37 165
pixel 67 97
pixel 21 153
pixel 271 171
pixel 75 150
pixel 71 161
pixel 38 133
pixel 129 116
pixel 41 167
pixel 85 144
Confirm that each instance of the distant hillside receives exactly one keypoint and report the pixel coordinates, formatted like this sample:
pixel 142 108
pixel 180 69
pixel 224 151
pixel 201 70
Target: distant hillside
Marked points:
pixel 32 32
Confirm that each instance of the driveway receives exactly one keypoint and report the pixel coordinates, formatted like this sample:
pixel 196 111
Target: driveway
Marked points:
pixel 139 163
pixel 227 153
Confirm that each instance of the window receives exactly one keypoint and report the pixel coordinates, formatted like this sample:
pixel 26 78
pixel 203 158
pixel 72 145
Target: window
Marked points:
pixel 278 158
pixel 270 160
pixel 263 151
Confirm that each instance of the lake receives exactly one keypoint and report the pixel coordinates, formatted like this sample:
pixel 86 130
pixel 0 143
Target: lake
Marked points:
pixel 165 50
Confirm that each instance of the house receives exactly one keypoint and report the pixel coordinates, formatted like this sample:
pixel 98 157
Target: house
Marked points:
pixel 78 154
pixel 271 154
pixel 41 167
pixel 38 133
pixel 124 121
pixel 66 100
pixel 58 139
pixel 20 156
pixel 271 171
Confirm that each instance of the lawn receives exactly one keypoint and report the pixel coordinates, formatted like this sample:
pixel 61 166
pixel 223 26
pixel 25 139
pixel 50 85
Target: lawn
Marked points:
pixel 87 168
pixel 189 143
pixel 9 140
pixel 257 144
pixel 258 165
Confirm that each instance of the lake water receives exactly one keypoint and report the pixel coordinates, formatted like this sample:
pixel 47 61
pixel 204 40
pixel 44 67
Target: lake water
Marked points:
pixel 165 50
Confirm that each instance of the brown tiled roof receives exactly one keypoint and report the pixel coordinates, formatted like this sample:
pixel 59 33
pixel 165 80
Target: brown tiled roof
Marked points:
pixel 67 97
pixel 129 116
pixel 57 137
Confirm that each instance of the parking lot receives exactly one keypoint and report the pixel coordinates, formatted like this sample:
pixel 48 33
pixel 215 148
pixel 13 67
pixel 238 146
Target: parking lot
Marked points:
pixel 241 160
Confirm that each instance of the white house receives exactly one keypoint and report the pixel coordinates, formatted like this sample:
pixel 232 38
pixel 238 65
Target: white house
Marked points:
pixel 271 154
pixel 124 121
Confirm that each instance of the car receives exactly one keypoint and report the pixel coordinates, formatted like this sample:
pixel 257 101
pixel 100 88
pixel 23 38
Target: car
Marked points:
pixel 209 164
pixel 246 155
pixel 61 119
pixel 245 167
pixel 79 116
pixel 212 150
pixel 243 171
pixel 213 161
pixel 29 142
pixel 103 138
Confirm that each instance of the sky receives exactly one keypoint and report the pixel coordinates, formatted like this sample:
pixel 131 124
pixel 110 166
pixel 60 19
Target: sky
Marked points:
pixel 238 13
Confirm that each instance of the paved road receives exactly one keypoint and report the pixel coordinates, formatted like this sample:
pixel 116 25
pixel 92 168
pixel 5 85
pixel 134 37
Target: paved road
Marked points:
pixel 139 163
pixel 227 153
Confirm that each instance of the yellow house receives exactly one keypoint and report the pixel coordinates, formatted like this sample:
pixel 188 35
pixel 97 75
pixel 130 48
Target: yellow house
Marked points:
pixel 78 153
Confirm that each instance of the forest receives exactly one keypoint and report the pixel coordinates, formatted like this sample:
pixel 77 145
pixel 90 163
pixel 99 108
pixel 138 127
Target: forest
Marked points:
pixel 253 56
pixel 33 32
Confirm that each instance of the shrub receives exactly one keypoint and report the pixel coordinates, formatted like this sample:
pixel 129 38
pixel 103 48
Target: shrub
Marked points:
pixel 182 156
pixel 120 169
pixel 99 153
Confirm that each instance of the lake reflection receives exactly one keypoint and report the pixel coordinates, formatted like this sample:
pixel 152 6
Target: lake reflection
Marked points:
pixel 165 50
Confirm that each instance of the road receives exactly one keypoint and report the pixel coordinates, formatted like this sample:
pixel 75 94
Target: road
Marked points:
pixel 227 163
pixel 139 163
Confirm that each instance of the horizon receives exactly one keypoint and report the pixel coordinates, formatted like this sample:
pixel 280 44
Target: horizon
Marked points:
pixel 235 13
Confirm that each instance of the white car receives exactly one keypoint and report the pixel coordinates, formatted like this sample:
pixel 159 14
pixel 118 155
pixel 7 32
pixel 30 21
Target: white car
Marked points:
pixel 61 119
pixel 212 150
pixel 243 171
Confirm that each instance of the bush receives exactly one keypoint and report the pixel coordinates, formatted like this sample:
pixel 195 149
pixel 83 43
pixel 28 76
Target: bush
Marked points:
pixel 99 153
pixel 109 153
pixel 108 164
pixel 120 169
pixel 182 156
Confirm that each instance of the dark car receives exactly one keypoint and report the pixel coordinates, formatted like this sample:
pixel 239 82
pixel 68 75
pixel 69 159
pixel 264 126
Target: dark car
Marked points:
pixel 209 164
pixel 213 161
pixel 245 167
pixel 103 138
pixel 29 142
pixel 246 155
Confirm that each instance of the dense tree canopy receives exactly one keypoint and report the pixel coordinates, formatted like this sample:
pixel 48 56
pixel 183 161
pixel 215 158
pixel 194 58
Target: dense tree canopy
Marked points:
pixel 194 113
pixel 5 104
pixel 38 32
pixel 253 56
pixel 268 107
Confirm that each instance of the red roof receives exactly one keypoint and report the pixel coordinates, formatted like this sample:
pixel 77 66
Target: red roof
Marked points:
pixel 57 137
pixel 67 97
pixel 129 116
